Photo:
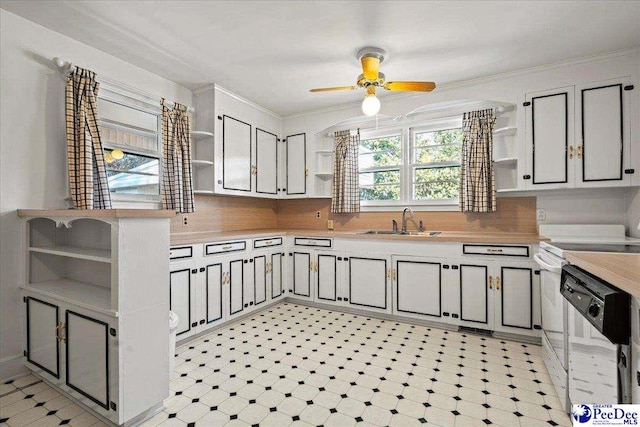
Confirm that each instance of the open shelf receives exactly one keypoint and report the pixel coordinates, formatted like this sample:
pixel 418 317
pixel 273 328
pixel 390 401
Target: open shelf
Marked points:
pixel 201 163
pixel 508 190
pixel 83 294
pixel 90 254
pixel 505 131
pixel 325 152
pixel 324 175
pixel 506 162
pixel 199 135
pixel 210 192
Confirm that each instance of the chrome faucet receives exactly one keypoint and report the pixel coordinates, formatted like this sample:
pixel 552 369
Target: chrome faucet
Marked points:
pixel 404 218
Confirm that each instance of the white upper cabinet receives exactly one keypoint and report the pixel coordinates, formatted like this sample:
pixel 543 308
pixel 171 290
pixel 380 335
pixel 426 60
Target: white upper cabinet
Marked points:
pixel 580 136
pixel 266 171
pixel 549 135
pixel 603 145
pixel 237 170
pixel 296 167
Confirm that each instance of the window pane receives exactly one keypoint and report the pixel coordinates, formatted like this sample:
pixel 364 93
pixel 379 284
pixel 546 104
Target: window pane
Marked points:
pixel 128 138
pixel 133 174
pixel 436 183
pixel 444 153
pixel 377 152
pixel 380 185
pixel 439 137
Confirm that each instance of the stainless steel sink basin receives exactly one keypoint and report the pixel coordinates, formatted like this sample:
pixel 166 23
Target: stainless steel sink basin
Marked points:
pixel 381 232
pixel 407 233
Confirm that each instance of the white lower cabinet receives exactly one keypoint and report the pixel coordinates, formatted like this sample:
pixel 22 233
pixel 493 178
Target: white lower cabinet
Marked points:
pixel 474 283
pixel 329 277
pixel 77 350
pixel 367 282
pixel 207 290
pixel 418 287
pixel 517 293
pixel 300 274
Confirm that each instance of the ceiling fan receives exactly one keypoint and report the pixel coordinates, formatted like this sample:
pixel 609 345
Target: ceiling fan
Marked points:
pixel 371 78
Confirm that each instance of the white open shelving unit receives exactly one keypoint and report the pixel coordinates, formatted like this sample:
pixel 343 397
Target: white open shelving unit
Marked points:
pixel 203 161
pixel 505 160
pixel 324 155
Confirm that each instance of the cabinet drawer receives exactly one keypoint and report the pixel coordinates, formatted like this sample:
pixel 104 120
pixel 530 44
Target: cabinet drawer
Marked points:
pixel 265 243
pixel 496 250
pixel 304 241
pixel 182 252
pixel 220 248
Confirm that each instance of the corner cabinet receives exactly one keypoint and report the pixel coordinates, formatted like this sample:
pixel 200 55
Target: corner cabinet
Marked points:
pixel 89 332
pixel 251 157
pixel 580 136
pixel 216 282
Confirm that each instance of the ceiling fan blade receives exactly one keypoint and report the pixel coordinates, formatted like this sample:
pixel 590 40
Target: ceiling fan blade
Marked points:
pixel 331 89
pixel 411 86
pixel 370 67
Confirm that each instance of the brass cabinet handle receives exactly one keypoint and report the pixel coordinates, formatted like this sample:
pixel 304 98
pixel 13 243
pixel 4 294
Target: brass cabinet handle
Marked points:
pixel 227 247
pixel 579 151
pixel 306 172
pixel 490 282
pixel 570 152
pixel 394 274
pixel 494 250
pixel 498 282
pixel 59 332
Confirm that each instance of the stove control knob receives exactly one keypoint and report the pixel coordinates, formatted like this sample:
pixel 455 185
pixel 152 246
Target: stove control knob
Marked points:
pixel 594 310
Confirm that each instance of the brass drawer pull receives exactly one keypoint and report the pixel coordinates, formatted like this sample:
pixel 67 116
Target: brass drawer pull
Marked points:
pixel 494 250
pixel 227 247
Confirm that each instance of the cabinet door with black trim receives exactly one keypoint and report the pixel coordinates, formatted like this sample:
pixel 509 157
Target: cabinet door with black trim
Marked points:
pixel 603 145
pixel 302 274
pixel 276 275
pixel 418 287
pixel 266 171
pixel 212 283
pixel 260 277
pixel 88 351
pixel 236 286
pixel 182 296
pixel 296 168
pixel 473 281
pixel 551 153
pixel 517 293
pixel 368 282
pixel 329 268
pixel 42 340
pixel 237 171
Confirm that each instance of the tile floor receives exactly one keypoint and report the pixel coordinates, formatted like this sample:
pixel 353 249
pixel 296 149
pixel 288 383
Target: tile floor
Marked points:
pixel 303 366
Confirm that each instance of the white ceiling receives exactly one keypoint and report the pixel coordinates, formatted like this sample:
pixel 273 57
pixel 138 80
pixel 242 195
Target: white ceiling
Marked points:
pixel 273 52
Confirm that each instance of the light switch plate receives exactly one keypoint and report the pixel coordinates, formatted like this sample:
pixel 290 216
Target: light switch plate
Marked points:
pixel 330 224
pixel 541 215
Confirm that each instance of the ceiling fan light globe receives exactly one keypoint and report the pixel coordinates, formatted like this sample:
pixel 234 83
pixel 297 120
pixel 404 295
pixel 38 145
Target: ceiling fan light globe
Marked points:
pixel 117 154
pixel 370 105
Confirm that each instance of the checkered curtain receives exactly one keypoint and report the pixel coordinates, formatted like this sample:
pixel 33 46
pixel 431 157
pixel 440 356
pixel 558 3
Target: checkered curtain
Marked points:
pixel 177 178
pixel 477 182
pixel 346 191
pixel 87 169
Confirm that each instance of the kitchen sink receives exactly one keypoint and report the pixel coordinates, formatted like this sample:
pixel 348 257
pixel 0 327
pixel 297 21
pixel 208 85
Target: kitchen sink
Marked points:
pixel 406 233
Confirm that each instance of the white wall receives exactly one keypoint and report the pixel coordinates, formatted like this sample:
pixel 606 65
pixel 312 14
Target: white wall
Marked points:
pixel 592 206
pixel 32 144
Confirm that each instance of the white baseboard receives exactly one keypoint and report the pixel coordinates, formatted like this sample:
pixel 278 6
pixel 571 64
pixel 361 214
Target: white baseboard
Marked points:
pixel 12 367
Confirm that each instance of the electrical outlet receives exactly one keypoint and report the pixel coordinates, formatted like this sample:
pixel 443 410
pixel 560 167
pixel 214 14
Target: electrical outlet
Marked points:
pixel 318 215
pixel 541 215
pixel 185 220
pixel 330 224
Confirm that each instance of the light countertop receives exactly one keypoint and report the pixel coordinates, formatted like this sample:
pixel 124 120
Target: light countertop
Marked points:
pixel 621 270
pixel 97 213
pixel 445 236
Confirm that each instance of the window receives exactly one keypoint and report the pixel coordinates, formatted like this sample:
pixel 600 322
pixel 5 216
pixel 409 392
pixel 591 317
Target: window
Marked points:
pixel 411 165
pixel 134 133
pixel 435 164
pixel 379 160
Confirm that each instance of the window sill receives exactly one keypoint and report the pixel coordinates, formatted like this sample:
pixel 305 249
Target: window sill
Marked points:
pixel 436 206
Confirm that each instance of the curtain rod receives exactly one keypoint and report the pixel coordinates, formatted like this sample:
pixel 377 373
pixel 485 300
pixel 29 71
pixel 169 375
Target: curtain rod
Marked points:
pixel 65 67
